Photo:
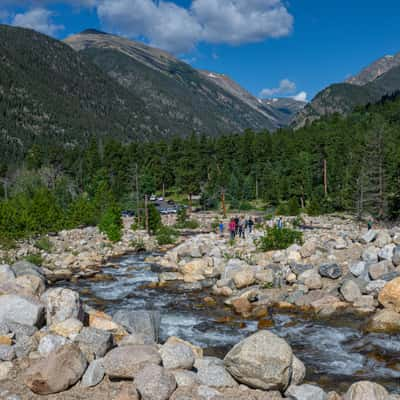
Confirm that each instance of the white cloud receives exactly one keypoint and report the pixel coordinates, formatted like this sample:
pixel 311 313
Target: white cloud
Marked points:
pixel 301 96
pixel 178 29
pixel 38 19
pixel 285 87
pixel 41 3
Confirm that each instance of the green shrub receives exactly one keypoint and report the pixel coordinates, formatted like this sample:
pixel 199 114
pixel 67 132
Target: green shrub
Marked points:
pixel 111 223
pixel 82 212
pixel 34 259
pixel 290 208
pixel 166 235
pixel 44 244
pixel 154 219
pixel 279 239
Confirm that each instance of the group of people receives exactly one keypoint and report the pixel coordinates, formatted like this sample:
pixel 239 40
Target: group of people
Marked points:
pixel 238 227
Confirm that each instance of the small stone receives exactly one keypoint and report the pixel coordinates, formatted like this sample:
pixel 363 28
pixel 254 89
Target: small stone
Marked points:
pixel 305 392
pixel 370 255
pixel 5 369
pixel 369 236
pixel 94 343
pixel 350 291
pixel 379 269
pixel 7 353
pixel 358 269
pixel 243 279
pixel 332 271
pixel 177 356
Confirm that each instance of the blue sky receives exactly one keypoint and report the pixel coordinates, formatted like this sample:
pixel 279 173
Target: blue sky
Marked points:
pixel 273 47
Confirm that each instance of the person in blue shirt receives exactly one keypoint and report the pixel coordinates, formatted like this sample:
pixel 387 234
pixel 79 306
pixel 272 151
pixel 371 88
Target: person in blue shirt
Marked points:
pixel 221 228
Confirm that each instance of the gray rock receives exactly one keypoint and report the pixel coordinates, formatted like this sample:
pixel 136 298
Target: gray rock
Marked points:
pixel 94 343
pixel 300 268
pixel 25 345
pixel 382 239
pixel 298 371
pixel 185 378
pixel 370 255
pixel 359 269
pixel 142 321
pixel 21 268
pixel 386 253
pixel 379 269
pixel 332 271
pixel 177 356
pixel 62 304
pixel 6 273
pixel 396 256
pixel 22 310
pixel 350 291
pixel 5 369
pixel 262 361
pixel 211 372
pixel 208 393
pixel 94 374
pixel 374 287
pixel 7 353
pixel 390 276
pixel 369 236
pixel 155 383
pixel 136 338
pixel 56 373
pixel 21 330
pixel 365 390
pixel 50 343
pixel 305 392
pixel 127 361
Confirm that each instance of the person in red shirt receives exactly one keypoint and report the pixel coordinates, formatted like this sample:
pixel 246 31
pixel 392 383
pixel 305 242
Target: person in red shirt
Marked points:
pixel 232 228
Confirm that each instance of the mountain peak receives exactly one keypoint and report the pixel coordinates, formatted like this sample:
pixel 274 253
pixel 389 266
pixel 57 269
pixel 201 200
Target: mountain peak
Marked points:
pixel 92 31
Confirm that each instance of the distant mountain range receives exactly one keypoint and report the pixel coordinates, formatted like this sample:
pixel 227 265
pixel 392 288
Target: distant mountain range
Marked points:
pixel 379 79
pixel 100 84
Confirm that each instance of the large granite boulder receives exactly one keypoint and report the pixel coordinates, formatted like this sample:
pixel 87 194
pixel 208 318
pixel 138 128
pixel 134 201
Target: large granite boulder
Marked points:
pixel 305 392
pixel 177 356
pixel 61 304
pixel 56 373
pixel 155 383
pixel 389 296
pixel 22 310
pixel 127 361
pixel 140 322
pixel 212 372
pixel 262 361
pixel 366 390
pixel 94 343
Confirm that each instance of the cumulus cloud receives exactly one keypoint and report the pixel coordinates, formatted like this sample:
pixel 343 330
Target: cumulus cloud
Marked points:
pixel 285 87
pixel 302 96
pixel 38 19
pixel 179 29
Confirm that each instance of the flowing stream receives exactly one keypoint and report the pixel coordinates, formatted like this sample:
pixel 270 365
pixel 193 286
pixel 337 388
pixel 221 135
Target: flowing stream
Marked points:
pixel 335 353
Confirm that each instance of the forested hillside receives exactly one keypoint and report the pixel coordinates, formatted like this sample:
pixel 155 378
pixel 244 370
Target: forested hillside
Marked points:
pixel 362 154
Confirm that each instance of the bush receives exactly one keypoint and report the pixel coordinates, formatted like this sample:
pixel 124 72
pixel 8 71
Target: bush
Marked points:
pixel 111 223
pixel 154 219
pixel 290 208
pixel 279 239
pixel 82 212
pixel 35 259
pixel 138 245
pixel 44 244
pixel 166 235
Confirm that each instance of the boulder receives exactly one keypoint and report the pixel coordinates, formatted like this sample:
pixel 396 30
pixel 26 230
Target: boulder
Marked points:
pixel 379 269
pixel 94 374
pixel 332 271
pixel 386 321
pixel 61 304
pixel 127 361
pixel 382 239
pixel 201 266
pixel 366 301
pixel 305 392
pixel 50 343
pixel 300 268
pixel 197 351
pixel 7 352
pixel 386 253
pixel 140 322
pixel 244 278
pixel 396 256
pixel 265 276
pixel 308 249
pixel 136 338
pixel 389 296
pixel 369 236
pixel 69 328
pixel 313 282
pixel 94 343
pixel 350 291
pixel 374 288
pixel 233 266
pixel 370 255
pixel 177 356
pixel 5 369
pixel 298 371
pixel 31 284
pixel 22 310
pixel 366 390
pixel 56 373
pixel 155 383
pixel 21 268
pixel 262 361
pixel 211 372
pixel 128 392
pixel 6 273
pixel 359 269
pixel 185 378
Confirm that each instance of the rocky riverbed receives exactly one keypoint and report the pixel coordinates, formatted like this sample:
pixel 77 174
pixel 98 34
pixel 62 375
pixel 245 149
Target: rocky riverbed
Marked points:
pixel 244 319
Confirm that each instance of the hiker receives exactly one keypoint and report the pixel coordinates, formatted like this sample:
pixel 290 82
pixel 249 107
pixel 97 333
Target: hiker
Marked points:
pixel 236 225
pixel 369 224
pixel 280 223
pixel 232 229
pixel 221 228
pixel 250 224
pixel 241 228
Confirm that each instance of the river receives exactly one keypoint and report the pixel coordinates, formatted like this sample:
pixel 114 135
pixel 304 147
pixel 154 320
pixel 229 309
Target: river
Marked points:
pixel 336 353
